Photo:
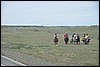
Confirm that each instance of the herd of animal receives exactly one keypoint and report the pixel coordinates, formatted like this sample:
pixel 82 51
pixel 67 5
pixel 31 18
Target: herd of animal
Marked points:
pixel 75 39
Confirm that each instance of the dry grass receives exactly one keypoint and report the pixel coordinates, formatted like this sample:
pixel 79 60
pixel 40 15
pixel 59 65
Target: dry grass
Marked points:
pixel 39 42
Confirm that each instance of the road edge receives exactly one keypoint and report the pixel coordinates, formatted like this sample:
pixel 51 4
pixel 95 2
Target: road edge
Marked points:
pixel 21 64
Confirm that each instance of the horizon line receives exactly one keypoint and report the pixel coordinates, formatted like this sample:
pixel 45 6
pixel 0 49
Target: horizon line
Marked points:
pixel 44 25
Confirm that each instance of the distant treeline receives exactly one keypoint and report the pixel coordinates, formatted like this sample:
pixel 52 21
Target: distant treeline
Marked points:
pixel 94 25
pixel 45 26
pixel 19 26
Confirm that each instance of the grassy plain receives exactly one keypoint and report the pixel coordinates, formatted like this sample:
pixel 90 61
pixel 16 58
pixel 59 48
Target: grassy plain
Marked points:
pixel 38 41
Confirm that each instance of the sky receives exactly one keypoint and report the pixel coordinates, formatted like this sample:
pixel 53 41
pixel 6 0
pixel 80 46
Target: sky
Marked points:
pixel 50 13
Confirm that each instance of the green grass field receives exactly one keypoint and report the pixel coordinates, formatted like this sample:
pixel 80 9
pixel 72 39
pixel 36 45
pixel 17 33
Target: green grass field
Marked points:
pixel 38 41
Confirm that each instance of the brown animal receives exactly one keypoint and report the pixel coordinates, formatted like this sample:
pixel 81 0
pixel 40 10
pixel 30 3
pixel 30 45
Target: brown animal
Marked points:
pixel 56 40
pixel 86 41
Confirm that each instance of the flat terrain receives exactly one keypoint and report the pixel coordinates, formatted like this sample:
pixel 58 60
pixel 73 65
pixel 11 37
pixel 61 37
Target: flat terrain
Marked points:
pixel 37 42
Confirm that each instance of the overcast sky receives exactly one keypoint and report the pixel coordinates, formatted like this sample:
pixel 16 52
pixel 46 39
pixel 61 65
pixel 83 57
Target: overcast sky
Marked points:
pixel 56 13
